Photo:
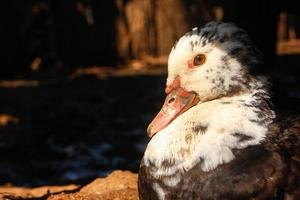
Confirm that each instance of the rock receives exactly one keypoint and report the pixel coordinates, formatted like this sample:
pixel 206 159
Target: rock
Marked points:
pixel 116 181
pixel 119 185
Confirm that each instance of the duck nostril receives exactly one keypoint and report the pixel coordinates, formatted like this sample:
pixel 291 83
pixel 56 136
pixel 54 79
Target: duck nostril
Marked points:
pixel 171 100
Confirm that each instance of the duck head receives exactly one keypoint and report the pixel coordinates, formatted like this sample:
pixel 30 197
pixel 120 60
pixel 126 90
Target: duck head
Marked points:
pixel 206 64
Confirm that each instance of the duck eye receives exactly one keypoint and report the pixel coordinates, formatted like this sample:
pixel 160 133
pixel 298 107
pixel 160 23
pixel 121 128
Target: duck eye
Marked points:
pixel 199 60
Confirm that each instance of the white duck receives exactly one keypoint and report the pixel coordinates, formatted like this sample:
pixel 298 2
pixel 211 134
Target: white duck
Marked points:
pixel 212 138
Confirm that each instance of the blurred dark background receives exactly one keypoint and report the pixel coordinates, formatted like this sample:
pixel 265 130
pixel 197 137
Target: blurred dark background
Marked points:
pixel 81 79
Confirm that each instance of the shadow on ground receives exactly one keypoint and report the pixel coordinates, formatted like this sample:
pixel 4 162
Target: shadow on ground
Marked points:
pixel 73 131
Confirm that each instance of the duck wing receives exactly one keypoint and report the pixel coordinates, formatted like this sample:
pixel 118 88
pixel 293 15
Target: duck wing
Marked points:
pixel 284 137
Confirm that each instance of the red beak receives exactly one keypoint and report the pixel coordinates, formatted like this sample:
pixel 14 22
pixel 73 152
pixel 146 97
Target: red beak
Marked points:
pixel 177 101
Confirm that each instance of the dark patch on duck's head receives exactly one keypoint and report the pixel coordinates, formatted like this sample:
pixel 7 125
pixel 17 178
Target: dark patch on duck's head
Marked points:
pixel 225 60
pixel 192 45
pixel 234 40
pixel 195 31
pixel 235 51
pixel 234 90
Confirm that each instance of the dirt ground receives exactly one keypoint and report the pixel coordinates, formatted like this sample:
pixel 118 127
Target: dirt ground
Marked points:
pixel 119 185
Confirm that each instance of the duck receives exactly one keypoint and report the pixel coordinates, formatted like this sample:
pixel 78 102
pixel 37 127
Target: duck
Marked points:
pixel 217 135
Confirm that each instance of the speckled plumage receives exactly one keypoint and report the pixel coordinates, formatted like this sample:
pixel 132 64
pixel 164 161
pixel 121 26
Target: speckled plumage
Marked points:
pixel 223 147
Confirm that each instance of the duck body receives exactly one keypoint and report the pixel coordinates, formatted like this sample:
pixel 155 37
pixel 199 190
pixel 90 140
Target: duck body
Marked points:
pixel 241 179
pixel 173 169
pixel 257 172
pixel 215 137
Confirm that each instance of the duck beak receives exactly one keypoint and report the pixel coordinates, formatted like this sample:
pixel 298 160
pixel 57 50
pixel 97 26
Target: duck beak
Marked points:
pixel 177 102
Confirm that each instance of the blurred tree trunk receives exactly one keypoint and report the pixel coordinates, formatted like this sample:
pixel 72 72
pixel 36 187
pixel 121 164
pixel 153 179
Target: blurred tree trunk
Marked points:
pixel 150 27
